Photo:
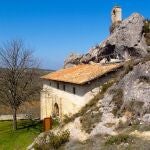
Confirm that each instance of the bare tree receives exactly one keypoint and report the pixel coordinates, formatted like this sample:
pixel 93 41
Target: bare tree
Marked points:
pixel 17 82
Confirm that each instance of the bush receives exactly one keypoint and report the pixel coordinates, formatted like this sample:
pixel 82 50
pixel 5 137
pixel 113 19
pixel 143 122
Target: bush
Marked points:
pixel 118 139
pixel 106 85
pixel 146 28
pixel 56 122
pixel 89 120
pixel 55 140
pixel 117 100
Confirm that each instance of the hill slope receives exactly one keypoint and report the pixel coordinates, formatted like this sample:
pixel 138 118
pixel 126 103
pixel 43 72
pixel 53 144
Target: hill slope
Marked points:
pixel 118 117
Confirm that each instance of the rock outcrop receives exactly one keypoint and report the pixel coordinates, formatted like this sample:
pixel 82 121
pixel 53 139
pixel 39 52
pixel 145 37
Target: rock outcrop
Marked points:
pixel 126 41
pixel 122 103
pixel 130 94
pixel 72 60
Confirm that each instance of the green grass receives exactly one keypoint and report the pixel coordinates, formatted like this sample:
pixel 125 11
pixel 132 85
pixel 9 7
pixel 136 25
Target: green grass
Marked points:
pixel 20 139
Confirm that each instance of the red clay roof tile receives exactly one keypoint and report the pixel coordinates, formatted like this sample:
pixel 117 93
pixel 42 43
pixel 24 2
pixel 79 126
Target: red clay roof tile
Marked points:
pixel 81 74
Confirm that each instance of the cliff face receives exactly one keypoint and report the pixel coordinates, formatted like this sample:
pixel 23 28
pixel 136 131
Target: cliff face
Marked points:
pixel 131 93
pixel 119 104
pixel 121 111
pixel 126 41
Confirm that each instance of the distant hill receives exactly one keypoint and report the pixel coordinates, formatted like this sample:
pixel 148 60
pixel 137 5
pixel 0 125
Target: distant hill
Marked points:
pixel 39 71
pixel 38 74
pixel 32 107
pixel 45 71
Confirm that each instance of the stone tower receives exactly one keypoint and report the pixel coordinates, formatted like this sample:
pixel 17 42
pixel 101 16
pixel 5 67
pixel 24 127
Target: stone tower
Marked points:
pixel 116 15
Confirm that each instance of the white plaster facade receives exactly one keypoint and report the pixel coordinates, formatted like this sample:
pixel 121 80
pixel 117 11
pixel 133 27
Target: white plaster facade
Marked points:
pixel 68 101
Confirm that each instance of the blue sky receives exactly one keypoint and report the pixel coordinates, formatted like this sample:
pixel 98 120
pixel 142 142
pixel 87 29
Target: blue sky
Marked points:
pixel 55 28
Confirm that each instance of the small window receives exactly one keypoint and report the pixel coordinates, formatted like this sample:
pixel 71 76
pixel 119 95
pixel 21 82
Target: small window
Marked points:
pixel 50 83
pixel 74 90
pixel 64 87
pixel 57 85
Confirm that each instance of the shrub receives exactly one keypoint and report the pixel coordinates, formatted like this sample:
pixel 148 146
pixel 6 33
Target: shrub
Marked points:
pixel 89 120
pixel 55 140
pixel 56 122
pixel 106 85
pixel 118 139
pixel 117 100
pixel 66 119
pixel 147 38
pixel 146 27
pixel 146 30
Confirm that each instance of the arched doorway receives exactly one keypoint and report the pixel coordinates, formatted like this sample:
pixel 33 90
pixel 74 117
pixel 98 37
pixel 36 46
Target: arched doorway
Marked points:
pixel 56 109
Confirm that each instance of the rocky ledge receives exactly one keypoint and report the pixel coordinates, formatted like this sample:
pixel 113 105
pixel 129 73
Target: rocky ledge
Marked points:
pixel 126 41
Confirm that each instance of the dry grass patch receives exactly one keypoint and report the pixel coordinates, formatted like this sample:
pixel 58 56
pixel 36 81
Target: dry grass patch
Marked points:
pixel 118 139
pixel 117 100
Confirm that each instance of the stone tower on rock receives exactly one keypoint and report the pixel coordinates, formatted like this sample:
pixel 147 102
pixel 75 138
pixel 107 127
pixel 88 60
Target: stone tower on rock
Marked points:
pixel 116 15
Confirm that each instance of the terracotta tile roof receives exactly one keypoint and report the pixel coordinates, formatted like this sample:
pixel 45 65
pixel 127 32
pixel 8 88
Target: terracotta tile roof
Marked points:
pixel 81 74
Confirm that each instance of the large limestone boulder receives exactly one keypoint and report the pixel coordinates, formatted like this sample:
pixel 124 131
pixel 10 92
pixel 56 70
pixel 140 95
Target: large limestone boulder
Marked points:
pixel 127 38
pixel 73 59
pixel 126 41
